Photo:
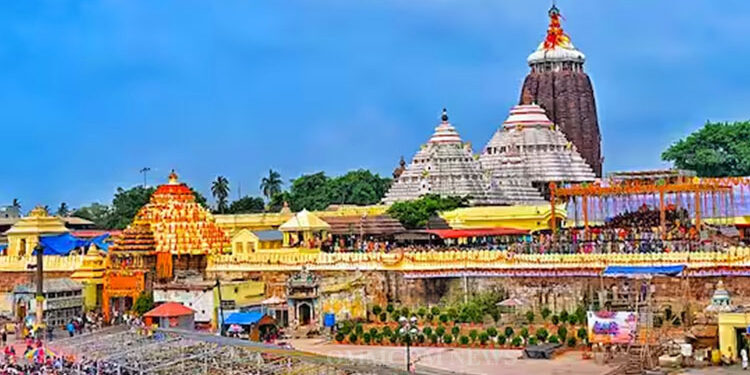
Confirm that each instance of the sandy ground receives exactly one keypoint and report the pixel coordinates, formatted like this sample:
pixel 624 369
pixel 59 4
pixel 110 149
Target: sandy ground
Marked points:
pixel 458 360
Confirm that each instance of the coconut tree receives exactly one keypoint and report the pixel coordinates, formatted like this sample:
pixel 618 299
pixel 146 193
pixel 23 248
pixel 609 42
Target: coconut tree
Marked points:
pixel 63 210
pixel 271 184
pixel 220 191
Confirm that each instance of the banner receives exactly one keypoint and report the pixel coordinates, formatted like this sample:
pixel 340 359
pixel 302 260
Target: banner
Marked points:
pixel 609 327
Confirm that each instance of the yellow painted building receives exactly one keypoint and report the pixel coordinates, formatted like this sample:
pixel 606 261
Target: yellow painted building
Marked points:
pixel 24 235
pixel 91 275
pixel 532 218
pixel 245 241
pixel 732 326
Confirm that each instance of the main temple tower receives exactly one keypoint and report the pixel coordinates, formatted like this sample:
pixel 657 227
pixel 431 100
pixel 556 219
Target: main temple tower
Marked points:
pixel 558 83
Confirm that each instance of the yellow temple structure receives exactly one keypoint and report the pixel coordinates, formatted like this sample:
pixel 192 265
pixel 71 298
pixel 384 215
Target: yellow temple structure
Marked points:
pixel 24 235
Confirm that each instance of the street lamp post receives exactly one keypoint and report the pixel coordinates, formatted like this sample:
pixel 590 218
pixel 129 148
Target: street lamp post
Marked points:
pixel 409 330
pixel 39 249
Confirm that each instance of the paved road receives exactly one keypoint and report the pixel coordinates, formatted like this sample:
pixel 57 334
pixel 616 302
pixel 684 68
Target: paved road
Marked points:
pixel 457 360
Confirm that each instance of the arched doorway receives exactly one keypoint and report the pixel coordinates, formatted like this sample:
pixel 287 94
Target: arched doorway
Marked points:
pixel 304 313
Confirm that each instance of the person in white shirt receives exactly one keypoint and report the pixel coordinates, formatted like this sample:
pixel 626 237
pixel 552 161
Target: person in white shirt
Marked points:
pixel 743 354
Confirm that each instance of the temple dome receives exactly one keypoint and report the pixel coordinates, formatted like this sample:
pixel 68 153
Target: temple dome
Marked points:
pixel 446 166
pixel 529 146
pixel 556 54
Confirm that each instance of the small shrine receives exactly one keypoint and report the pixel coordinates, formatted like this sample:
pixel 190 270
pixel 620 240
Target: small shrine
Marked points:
pixel 303 290
pixel 304 229
pixel 91 275
pixel 24 235
pixel 720 301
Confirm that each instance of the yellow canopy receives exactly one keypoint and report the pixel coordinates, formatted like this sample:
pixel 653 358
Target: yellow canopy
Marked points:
pixel 304 221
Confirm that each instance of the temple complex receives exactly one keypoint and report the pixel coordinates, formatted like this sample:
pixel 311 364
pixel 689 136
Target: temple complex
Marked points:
pixel 24 235
pixel 529 147
pixel 446 166
pixel 558 83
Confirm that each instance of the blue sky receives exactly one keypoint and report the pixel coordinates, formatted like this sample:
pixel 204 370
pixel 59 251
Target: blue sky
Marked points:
pixel 91 91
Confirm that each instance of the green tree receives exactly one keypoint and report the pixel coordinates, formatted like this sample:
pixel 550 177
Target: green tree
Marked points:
pixel 278 200
pixel 360 187
pixel 455 330
pixel 582 334
pixel 126 203
pixel 483 338
pixel 530 316
pixel 440 330
pixel 562 332
pixel 545 313
pixel 144 303
pixel 473 334
pixel 555 319
pixel 554 339
pixel 376 310
pixel 99 214
pixel 435 311
pixel 246 205
pixel 463 340
pixel 220 191
pixel 492 331
pixel 16 204
pixel 340 337
pixel 571 341
pixel 447 338
pixel 542 334
pixel 516 341
pixel 63 210
pixel 415 214
pixel 501 339
pixel 716 150
pixel 508 331
pixel 271 184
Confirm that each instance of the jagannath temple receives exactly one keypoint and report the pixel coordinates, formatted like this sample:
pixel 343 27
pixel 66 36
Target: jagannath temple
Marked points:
pixel 542 226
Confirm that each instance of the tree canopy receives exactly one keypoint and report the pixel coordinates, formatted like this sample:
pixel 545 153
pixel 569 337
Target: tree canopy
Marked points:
pixel 271 184
pixel 716 150
pixel 317 191
pixel 415 214
pixel 220 190
pixel 246 205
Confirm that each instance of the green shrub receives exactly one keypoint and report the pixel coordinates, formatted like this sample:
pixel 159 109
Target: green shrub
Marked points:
pixel 144 303
pixel 562 332
pixel 530 316
pixel 405 311
pixel 582 334
pixel 508 331
pixel 501 339
pixel 420 338
pixel 395 315
pixel 542 334
pixel 383 317
pixel 434 338
pixel 464 317
pixel 572 319
pixel 373 332
pixel 554 339
pixel 340 337
pixel 447 338
pixel 359 329
pixel 545 313
pixel 440 330
pixel 353 338
pixel 422 312
pixel 390 308
pixel 463 340
pixel 393 339
pixel 429 317
pixel 483 338
pixel 387 331
pixel 367 337
pixel 444 318
pixel 533 340
pixel 376 310
pixel 555 319
pixel 524 332
pixel 492 331
pixel 516 341
pixel 427 331
pixel 345 327
pixel 473 335
pixel 580 315
pixel 435 311
pixel 571 341
pixel 455 330
pixel 563 316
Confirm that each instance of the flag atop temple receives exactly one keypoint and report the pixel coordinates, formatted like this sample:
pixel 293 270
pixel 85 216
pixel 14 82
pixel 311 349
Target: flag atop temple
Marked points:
pixel 558 84
pixel 446 166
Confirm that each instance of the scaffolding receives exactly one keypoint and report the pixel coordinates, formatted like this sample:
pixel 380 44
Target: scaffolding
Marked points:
pixel 124 351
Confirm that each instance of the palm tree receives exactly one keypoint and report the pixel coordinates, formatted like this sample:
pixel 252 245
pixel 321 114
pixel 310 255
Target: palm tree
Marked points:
pixel 220 191
pixel 63 210
pixel 16 204
pixel 271 185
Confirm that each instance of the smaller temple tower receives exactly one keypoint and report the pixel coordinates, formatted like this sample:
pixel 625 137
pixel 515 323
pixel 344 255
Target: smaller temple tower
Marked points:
pixel 529 147
pixel 446 166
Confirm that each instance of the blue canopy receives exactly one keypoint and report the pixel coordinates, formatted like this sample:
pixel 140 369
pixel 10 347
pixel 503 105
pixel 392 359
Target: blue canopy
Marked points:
pixel 63 244
pixel 635 271
pixel 244 318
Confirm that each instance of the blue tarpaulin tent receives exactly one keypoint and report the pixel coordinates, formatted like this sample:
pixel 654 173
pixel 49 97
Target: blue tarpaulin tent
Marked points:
pixel 244 318
pixel 636 271
pixel 63 244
